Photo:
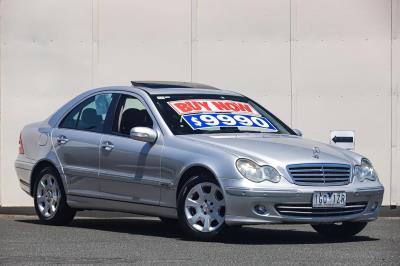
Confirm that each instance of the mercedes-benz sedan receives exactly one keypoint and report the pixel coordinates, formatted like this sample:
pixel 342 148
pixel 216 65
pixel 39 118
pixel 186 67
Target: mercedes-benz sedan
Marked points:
pixel 192 154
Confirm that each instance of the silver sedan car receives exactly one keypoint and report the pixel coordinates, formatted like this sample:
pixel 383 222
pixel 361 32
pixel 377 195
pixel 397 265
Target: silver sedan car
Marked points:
pixel 191 154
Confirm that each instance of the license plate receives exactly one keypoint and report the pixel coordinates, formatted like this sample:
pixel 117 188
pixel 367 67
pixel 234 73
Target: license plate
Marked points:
pixel 329 199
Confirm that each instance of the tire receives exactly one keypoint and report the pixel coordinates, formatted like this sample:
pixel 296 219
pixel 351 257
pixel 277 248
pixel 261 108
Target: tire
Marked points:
pixel 50 199
pixel 201 208
pixel 343 230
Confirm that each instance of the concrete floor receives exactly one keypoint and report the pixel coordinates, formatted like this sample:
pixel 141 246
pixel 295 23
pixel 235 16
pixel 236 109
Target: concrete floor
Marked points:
pixel 147 241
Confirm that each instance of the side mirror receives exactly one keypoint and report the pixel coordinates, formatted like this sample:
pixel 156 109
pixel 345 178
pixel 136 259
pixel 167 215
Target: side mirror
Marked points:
pixel 144 134
pixel 298 132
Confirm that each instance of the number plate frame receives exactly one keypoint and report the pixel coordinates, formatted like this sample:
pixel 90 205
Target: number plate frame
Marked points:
pixel 323 199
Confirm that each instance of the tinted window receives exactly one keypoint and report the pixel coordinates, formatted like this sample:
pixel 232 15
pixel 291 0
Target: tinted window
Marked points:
pixel 90 115
pixel 131 113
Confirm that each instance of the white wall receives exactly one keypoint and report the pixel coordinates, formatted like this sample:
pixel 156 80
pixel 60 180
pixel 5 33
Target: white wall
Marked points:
pixel 395 180
pixel 319 65
pixel 341 74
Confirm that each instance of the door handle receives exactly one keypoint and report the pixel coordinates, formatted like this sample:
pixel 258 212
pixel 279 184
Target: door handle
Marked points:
pixel 107 145
pixel 62 139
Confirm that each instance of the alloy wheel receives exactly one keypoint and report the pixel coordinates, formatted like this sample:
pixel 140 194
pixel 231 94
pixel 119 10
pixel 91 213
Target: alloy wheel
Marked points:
pixel 205 207
pixel 48 196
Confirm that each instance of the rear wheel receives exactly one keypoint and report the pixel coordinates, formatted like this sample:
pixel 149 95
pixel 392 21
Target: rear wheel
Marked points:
pixel 50 200
pixel 340 230
pixel 201 208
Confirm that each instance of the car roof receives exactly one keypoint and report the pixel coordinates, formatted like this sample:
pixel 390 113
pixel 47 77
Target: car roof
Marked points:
pixel 149 87
pixel 166 88
pixel 171 84
pixel 177 87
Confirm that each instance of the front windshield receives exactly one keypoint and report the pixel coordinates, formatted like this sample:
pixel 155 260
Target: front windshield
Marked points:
pixel 211 113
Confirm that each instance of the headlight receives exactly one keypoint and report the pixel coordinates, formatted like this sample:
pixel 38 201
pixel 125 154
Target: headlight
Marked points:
pixel 256 173
pixel 365 171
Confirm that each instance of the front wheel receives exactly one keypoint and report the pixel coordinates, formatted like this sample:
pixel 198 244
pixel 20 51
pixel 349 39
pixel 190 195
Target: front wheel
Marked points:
pixel 341 230
pixel 201 208
pixel 50 199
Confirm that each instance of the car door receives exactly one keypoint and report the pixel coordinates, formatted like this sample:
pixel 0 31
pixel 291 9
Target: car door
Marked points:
pixel 130 169
pixel 77 141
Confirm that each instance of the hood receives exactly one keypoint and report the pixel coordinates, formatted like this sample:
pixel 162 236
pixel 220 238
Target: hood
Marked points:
pixel 277 150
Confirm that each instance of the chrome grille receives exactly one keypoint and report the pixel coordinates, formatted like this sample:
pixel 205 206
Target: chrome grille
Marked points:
pixel 306 210
pixel 320 174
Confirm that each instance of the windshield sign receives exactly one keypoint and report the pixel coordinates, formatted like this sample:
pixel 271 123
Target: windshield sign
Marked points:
pixel 202 113
pixel 213 114
pixel 198 121
pixel 204 106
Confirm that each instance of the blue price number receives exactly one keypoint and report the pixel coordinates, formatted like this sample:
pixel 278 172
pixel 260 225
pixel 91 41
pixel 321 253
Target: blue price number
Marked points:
pixel 197 121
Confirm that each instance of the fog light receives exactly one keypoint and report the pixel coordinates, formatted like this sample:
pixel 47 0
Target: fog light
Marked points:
pixel 374 206
pixel 260 209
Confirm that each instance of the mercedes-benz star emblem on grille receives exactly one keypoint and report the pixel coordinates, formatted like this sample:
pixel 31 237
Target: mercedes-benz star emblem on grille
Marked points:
pixel 316 152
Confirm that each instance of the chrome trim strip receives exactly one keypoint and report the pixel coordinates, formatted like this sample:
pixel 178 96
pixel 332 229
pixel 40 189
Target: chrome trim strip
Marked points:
pixel 146 180
pixel 311 213
pixel 371 189
pixel 307 210
pixel 246 192
pixel 310 208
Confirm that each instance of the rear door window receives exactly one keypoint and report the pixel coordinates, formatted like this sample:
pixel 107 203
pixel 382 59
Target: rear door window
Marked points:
pixel 91 114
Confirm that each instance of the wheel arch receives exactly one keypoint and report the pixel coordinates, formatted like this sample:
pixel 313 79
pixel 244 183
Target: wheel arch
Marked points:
pixel 193 170
pixel 36 170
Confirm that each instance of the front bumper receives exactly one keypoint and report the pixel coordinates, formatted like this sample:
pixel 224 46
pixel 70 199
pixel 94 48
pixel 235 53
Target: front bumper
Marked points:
pixel 241 204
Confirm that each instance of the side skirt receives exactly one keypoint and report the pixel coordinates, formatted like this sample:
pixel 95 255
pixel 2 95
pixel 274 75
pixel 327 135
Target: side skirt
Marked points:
pixel 100 204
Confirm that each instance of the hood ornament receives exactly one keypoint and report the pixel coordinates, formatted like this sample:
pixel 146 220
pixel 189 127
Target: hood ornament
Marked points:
pixel 316 152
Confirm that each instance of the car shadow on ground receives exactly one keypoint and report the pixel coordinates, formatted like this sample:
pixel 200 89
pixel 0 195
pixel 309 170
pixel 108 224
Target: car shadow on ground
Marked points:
pixel 248 235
